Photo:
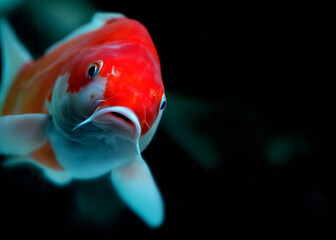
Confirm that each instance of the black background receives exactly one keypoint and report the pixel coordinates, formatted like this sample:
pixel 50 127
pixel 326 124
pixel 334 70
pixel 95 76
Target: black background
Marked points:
pixel 272 60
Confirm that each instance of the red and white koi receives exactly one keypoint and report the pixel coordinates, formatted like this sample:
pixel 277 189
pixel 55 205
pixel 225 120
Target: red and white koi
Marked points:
pixel 89 106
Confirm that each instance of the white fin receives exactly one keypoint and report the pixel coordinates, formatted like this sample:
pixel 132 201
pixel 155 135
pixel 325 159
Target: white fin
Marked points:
pixel 22 134
pixel 16 160
pixel 97 21
pixel 137 188
pixel 59 178
pixel 13 55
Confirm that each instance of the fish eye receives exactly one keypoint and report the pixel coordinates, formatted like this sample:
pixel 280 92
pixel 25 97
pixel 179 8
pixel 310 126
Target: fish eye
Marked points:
pixel 94 69
pixel 163 102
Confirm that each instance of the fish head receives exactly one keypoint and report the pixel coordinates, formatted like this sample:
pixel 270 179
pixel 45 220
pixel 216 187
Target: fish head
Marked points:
pixel 116 85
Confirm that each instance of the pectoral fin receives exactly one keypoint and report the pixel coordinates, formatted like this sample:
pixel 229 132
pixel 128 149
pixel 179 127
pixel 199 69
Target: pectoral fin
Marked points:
pixel 137 188
pixel 22 134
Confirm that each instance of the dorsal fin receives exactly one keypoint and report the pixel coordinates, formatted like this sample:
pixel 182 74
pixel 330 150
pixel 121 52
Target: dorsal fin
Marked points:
pixel 97 21
pixel 13 54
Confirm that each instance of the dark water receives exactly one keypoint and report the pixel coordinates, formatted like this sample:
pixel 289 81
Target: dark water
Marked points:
pixel 258 78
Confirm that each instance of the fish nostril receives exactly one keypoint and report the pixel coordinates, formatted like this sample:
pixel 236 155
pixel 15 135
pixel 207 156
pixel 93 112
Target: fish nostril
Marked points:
pixel 119 115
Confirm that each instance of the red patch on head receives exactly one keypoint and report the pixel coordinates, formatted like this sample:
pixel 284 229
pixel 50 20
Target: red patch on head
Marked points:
pixel 138 86
pixel 130 65
pixel 116 31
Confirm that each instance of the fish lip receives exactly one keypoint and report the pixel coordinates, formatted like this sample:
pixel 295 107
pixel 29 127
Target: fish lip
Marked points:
pixel 119 116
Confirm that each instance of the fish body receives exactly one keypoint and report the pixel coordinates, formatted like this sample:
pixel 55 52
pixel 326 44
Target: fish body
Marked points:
pixel 87 107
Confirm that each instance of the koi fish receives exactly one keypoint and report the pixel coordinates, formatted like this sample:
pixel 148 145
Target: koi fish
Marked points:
pixel 89 106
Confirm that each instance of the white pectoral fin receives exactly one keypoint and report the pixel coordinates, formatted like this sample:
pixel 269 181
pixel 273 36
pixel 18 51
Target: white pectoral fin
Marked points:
pixel 22 134
pixel 59 178
pixel 137 188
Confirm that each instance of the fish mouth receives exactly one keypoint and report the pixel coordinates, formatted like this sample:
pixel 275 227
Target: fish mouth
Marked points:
pixel 118 119
pixel 121 118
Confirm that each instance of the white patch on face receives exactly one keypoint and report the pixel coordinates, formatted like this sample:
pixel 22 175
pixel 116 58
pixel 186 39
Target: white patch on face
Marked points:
pixel 58 106
pixel 88 98
pixel 68 109
pixel 97 146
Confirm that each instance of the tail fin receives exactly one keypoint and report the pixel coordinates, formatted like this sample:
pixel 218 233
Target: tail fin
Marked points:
pixel 13 54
